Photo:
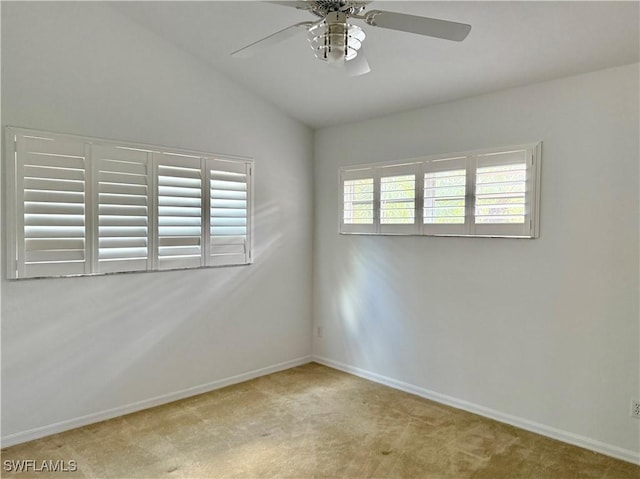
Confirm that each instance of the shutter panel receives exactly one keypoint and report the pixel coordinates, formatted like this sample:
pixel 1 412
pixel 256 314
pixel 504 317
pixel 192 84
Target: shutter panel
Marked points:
pixel 123 208
pixel 444 209
pixel 358 201
pixel 51 231
pixel 501 194
pixel 180 208
pixel 229 214
pixel 398 199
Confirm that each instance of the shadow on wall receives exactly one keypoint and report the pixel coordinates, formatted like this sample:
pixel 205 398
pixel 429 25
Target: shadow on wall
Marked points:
pixel 81 337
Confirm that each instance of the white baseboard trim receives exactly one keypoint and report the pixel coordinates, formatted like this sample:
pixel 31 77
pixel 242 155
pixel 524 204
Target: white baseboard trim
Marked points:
pixel 542 429
pixel 36 433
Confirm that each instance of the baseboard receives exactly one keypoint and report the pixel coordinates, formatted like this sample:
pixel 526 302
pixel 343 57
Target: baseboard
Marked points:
pixel 24 436
pixel 542 429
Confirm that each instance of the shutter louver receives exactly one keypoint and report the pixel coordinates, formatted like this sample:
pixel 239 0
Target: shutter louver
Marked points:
pixel 123 209
pixel 51 194
pixel 180 209
pixel 228 212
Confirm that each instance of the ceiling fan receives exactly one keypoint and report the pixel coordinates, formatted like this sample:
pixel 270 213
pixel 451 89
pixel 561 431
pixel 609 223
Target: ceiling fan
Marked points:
pixel 337 41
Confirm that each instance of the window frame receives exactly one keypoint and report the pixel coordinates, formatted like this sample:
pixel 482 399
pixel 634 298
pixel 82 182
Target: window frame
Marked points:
pixel 467 160
pixel 15 248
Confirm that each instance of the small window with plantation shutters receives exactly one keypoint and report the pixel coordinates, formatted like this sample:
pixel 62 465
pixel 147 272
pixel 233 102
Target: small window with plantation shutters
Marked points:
pixel 478 193
pixel 83 206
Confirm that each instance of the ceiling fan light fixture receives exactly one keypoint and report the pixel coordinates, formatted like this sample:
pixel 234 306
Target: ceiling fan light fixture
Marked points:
pixel 335 40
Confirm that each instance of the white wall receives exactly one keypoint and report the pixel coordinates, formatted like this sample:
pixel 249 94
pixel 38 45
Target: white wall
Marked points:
pixel 79 346
pixel 545 330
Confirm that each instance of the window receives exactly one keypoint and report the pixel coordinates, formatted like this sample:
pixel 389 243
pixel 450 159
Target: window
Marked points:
pixel 501 187
pixel 445 196
pixel 123 202
pixel 180 209
pixel 81 206
pixel 481 193
pixel 228 212
pixel 358 201
pixel 358 213
pixel 398 199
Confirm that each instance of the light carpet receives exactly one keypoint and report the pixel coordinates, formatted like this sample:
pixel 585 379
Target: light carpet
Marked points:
pixel 311 422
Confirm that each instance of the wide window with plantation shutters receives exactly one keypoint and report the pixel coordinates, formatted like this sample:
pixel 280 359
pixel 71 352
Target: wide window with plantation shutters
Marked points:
pixel 490 193
pixel 82 206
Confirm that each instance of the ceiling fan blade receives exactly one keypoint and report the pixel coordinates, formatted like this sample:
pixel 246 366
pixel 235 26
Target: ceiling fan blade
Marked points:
pixel 271 40
pixel 358 66
pixel 431 27
pixel 299 4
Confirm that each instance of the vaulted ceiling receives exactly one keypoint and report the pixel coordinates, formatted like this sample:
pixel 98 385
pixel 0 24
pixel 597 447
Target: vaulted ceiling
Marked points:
pixel 510 44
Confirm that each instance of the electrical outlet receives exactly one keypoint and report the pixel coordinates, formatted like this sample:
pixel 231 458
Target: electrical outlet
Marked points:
pixel 319 331
pixel 635 409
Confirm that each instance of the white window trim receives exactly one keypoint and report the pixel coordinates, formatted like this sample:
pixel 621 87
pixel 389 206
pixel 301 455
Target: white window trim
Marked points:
pixel 466 159
pixel 15 208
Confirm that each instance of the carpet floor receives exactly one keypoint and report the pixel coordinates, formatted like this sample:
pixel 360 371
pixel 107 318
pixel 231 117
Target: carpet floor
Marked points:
pixel 310 422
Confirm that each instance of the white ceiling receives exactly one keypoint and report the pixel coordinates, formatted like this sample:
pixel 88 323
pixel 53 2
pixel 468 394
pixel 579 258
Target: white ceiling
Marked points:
pixel 510 44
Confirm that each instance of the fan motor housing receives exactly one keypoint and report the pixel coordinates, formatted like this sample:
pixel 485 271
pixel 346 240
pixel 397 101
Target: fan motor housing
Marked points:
pixel 322 8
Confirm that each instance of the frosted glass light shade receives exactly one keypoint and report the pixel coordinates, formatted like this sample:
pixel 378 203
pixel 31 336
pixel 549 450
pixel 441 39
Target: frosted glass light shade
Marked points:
pixel 335 42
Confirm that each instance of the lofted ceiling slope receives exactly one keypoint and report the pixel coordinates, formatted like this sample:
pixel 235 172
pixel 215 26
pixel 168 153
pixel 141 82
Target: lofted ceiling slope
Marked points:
pixel 510 44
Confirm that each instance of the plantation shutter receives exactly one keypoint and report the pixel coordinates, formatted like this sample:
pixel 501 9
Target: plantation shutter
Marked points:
pixel 444 210
pixel 229 214
pixel 492 192
pixel 502 194
pixel 124 203
pixel 51 220
pixel 180 211
pixel 82 206
pixel 398 199
pixel 359 194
